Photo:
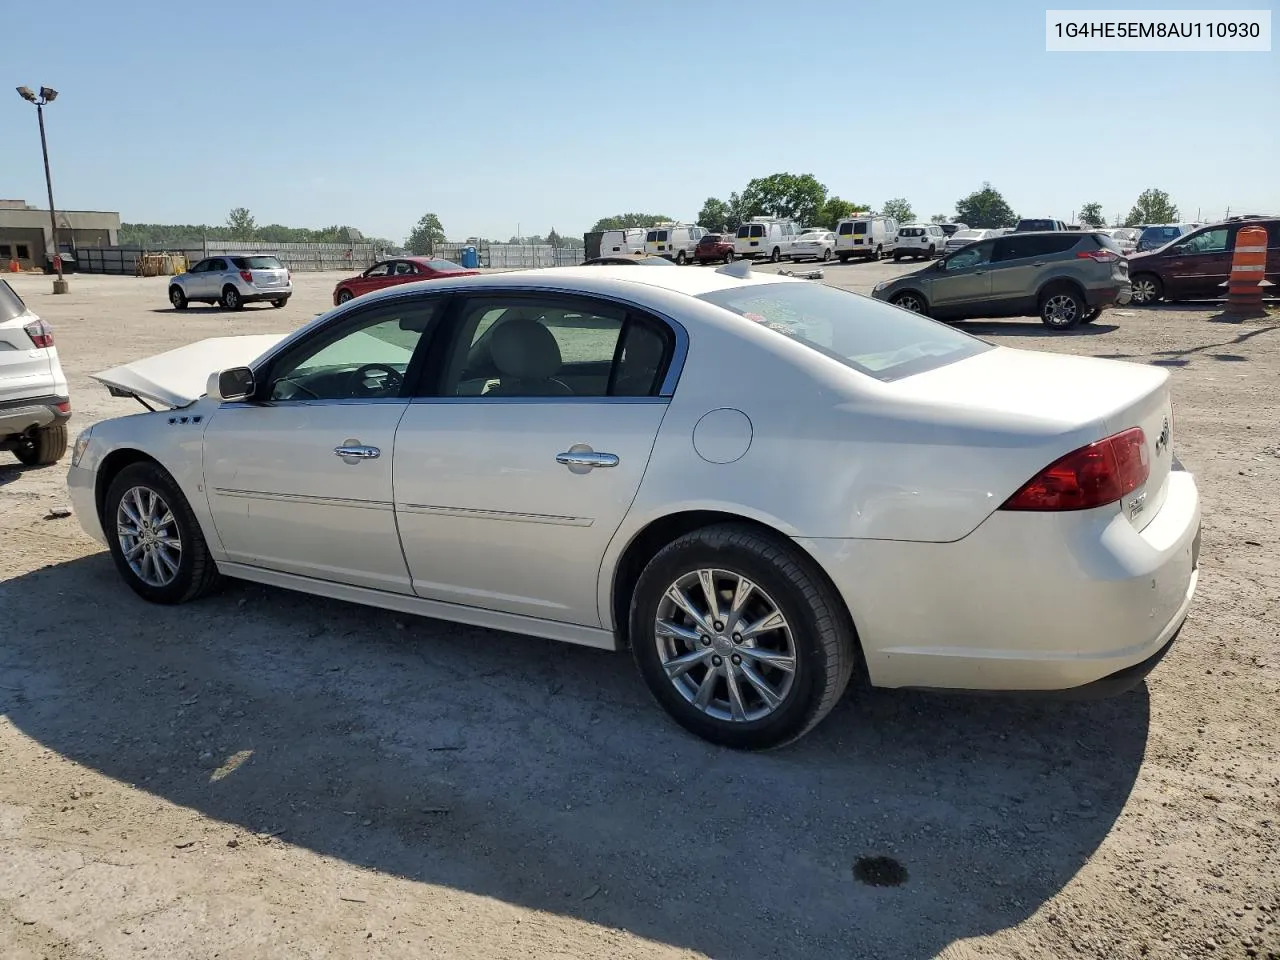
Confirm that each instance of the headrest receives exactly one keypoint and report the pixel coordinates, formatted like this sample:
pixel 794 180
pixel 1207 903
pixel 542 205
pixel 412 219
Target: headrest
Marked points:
pixel 525 350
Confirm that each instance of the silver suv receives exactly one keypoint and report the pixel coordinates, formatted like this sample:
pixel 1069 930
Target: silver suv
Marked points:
pixel 1064 277
pixel 233 281
pixel 34 403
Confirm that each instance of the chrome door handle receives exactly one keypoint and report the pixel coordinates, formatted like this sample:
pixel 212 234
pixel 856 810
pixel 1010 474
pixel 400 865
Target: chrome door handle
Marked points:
pixel 587 458
pixel 352 450
pixel 1037 263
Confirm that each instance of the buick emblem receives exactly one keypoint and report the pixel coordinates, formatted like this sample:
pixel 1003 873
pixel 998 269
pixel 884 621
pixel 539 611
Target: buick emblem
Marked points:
pixel 1162 441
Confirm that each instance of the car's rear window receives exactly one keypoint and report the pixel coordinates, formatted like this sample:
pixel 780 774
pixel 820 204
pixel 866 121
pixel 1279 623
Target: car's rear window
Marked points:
pixel 11 304
pixel 1035 224
pixel 1160 234
pixel 651 236
pixel 710 238
pixel 860 226
pixel 911 232
pixel 257 263
pixel 871 337
pixel 967 235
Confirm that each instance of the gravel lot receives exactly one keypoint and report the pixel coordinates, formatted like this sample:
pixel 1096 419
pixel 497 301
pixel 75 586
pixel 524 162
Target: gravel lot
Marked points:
pixel 264 774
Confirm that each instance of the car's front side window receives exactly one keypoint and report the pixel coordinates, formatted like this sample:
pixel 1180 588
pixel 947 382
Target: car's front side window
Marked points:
pixel 364 358
pixel 974 256
pixel 1211 241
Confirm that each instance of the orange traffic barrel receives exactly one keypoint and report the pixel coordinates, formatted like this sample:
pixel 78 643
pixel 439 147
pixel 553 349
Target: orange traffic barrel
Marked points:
pixel 1248 273
pixel 14 266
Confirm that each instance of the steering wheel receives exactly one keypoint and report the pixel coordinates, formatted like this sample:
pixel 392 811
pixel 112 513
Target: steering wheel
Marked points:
pixel 392 381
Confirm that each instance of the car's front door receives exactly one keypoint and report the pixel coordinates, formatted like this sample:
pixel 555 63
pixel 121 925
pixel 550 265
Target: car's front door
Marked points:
pixel 1197 267
pixel 513 477
pixel 961 279
pixel 192 282
pixel 214 276
pixel 299 480
pixel 375 278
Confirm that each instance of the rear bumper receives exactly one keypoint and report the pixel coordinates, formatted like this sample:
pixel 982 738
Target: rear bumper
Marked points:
pixel 1027 601
pixel 257 294
pixel 19 416
pixel 1109 296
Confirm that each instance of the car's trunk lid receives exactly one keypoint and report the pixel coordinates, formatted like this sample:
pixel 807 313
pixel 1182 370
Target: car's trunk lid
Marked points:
pixel 178 377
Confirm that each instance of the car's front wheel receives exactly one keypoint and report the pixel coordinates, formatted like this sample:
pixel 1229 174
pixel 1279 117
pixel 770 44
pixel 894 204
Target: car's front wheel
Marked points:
pixel 344 296
pixel 740 638
pixel 1147 289
pixel 155 539
pixel 44 447
pixel 231 298
pixel 177 298
pixel 1062 308
pixel 910 301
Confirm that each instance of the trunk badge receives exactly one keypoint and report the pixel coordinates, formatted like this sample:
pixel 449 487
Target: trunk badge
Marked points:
pixel 1162 441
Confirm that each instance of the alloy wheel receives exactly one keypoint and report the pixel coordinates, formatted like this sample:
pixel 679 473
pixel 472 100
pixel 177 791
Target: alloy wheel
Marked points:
pixel 725 645
pixel 149 537
pixel 910 302
pixel 1144 291
pixel 1060 310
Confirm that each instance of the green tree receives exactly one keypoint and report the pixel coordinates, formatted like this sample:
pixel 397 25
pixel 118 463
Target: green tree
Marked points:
pixel 716 215
pixel 1091 215
pixel 985 208
pixel 899 209
pixel 939 218
pixel 621 221
pixel 426 235
pixel 554 238
pixel 1153 206
pixel 241 224
pixel 785 195
pixel 833 211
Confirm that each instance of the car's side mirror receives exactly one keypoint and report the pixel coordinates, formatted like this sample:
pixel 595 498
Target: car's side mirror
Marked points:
pixel 940 264
pixel 235 384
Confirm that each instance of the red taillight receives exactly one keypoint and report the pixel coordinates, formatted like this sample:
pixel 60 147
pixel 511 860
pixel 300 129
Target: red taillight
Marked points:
pixel 246 276
pixel 41 333
pixel 1092 476
pixel 1102 256
pixel 63 406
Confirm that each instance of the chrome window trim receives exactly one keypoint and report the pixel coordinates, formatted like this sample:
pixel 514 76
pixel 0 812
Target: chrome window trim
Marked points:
pixel 342 313
pixel 577 401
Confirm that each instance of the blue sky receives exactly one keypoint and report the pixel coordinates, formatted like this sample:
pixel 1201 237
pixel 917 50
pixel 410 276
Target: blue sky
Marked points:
pixel 507 112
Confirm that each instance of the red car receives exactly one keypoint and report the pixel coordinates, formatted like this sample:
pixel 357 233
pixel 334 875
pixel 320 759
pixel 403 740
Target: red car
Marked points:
pixel 714 246
pixel 388 273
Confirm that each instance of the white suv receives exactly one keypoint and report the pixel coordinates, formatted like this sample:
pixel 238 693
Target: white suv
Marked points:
pixel 34 403
pixel 918 240
pixel 233 281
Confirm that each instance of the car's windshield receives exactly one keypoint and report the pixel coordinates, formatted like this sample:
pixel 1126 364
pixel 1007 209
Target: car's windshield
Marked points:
pixel 871 337
pixel 257 263
pixel 11 304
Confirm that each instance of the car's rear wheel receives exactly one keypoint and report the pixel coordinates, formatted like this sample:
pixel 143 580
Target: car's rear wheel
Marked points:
pixel 155 539
pixel 344 296
pixel 44 447
pixel 879 254
pixel 1061 308
pixel 177 298
pixel 680 258
pixel 897 256
pixel 231 298
pixel 933 252
pixel 776 256
pixel 1147 289
pixel 740 638
pixel 844 257
pixel 826 256
pixel 911 301
pixel 279 302
pixel 1091 315
pixel 729 257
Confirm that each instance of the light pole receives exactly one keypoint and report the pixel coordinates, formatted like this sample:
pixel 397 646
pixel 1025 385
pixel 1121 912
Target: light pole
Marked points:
pixel 47 95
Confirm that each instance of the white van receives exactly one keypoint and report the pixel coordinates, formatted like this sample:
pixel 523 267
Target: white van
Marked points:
pixel 675 241
pixel 766 237
pixel 630 240
pixel 867 236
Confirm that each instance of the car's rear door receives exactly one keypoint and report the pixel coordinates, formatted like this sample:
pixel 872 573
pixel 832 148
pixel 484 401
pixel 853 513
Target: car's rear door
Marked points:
pixel 299 480
pixel 1021 262
pixel 509 488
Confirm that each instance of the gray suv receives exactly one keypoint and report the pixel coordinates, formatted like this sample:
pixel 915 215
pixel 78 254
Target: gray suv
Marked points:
pixel 1065 278
pixel 233 281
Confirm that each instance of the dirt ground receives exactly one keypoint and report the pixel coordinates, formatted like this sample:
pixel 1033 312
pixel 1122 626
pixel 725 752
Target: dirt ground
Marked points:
pixel 264 774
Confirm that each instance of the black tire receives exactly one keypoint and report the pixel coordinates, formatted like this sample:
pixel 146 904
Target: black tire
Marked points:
pixel 345 296
pixel 824 639
pixel 897 256
pixel 231 298
pixel 178 298
pixel 680 258
pixel 279 302
pixel 843 257
pixel 729 257
pixel 197 574
pixel 1091 315
pixel 44 448
pixel 910 300
pixel 1147 289
pixel 776 256
pixel 1062 308
pixel 933 252
pixel 879 254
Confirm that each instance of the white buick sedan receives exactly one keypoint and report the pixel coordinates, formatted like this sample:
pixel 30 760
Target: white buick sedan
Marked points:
pixel 759 485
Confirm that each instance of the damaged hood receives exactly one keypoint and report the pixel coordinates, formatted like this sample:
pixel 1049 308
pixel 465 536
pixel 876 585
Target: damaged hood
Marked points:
pixel 178 377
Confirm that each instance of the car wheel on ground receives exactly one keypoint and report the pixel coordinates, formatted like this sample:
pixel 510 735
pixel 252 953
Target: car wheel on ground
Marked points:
pixel 345 296
pixel 1147 289
pixel 739 638
pixel 775 256
pixel 911 301
pixel 844 258
pixel 279 302
pixel 231 298
pixel 1061 308
pixel 879 254
pixel 933 252
pixel 177 298
pixel 897 256
pixel 729 257
pixel 826 256
pixel 680 258
pixel 1091 315
pixel 44 447
pixel 157 544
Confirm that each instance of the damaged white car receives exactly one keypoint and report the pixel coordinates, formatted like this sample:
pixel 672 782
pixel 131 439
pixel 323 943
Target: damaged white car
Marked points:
pixel 759 485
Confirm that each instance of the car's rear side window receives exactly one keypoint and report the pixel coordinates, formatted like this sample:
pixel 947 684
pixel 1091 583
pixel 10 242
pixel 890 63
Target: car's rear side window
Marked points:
pixel 873 338
pixel 257 263
pixel 11 304
pixel 1016 246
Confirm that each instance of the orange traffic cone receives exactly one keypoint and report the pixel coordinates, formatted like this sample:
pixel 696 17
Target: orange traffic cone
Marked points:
pixel 1248 268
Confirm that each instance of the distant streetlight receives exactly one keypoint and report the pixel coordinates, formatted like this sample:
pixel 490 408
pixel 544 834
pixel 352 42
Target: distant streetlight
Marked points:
pixel 47 95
